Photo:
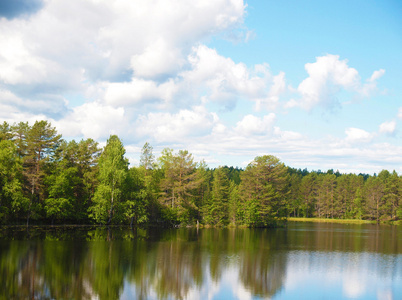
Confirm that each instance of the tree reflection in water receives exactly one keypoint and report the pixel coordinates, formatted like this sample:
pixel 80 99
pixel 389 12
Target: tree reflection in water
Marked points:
pixel 83 263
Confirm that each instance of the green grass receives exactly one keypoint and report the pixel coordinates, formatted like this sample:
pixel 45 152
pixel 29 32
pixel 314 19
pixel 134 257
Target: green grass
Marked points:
pixel 324 220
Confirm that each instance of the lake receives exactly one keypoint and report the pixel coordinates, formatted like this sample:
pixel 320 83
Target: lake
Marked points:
pixel 302 261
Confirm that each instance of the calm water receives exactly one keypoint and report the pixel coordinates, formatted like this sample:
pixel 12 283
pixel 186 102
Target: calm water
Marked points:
pixel 303 261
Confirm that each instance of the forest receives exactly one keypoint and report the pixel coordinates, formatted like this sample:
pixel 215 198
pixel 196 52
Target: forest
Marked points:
pixel 45 179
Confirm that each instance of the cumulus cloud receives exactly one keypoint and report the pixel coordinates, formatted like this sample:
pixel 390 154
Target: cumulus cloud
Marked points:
pixel 371 84
pixel 164 127
pixel 227 81
pixel 388 127
pixel 328 76
pixel 357 135
pixel 252 125
pixel 138 91
pixel 157 59
pixel 93 120
pixel 72 46
pixel 218 78
pixel 145 72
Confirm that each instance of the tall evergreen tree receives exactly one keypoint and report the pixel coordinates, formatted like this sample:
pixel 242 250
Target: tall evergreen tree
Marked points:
pixel 392 194
pixel 263 191
pixel 87 157
pixel 294 197
pixel 20 133
pixel 218 208
pixel 234 208
pixel 42 142
pixel 203 192
pixel 373 193
pixel 308 191
pixel 178 185
pixel 327 188
pixel 147 159
pixel 5 131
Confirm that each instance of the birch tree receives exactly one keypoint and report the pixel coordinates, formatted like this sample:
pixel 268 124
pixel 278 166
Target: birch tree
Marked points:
pixel 113 168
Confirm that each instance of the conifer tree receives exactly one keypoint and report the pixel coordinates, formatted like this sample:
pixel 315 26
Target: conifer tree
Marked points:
pixel 42 141
pixel 218 209
pixel 179 184
pixel 373 193
pixel 147 159
pixel 263 191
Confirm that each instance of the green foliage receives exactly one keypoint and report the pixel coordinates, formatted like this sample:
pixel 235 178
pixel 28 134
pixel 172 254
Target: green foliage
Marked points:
pixel 13 203
pixel 308 192
pixel 217 208
pixel 137 197
pixel 147 159
pixel 99 211
pixel 234 210
pixel 58 208
pixel 263 188
pixel 179 185
pixel 113 168
pixel 46 178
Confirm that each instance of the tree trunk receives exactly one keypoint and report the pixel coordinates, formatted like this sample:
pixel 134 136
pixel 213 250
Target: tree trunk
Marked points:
pixel 111 209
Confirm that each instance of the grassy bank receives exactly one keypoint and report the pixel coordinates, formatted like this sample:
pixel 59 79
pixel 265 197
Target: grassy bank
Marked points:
pixel 324 220
pixel 344 221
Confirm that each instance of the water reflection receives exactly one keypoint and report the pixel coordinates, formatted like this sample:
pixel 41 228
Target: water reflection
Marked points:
pixel 111 263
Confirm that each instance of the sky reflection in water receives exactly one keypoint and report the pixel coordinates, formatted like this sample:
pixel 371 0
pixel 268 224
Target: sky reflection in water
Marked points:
pixel 304 261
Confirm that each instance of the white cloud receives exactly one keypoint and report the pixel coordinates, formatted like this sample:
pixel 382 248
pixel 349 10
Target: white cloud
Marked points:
pixel 357 135
pixel 93 120
pixel 400 113
pixel 227 81
pixel 251 125
pixel 287 135
pixel 71 46
pixel 371 84
pixel 277 89
pixel 388 127
pixel 174 127
pixel 145 73
pixel 157 59
pixel 217 77
pixel 138 91
pixel 328 76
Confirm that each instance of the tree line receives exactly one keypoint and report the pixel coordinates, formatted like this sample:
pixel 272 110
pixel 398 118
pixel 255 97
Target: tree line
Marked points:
pixel 46 179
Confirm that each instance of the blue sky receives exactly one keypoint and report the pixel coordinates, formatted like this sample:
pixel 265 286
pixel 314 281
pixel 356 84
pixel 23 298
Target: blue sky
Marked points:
pixel 316 83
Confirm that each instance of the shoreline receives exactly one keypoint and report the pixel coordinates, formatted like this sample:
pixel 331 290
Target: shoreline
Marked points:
pixel 341 221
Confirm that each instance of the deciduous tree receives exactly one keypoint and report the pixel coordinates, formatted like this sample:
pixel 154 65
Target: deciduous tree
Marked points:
pixel 113 168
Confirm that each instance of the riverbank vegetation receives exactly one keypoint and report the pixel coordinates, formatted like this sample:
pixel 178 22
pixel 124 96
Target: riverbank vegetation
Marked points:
pixel 47 180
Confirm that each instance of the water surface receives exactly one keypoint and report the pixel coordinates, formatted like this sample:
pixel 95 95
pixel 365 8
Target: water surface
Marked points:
pixel 302 261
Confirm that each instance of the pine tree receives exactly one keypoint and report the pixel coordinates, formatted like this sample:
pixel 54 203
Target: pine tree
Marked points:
pixel 234 204
pixel 392 194
pixel 178 185
pixel 263 191
pixel 218 209
pixel 42 141
pixel 5 132
pixel 308 191
pixel 373 193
